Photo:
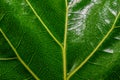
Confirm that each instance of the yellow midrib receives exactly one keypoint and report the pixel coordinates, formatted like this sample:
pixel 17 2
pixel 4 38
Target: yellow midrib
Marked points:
pixel 63 47
pixel 57 41
pixel 65 43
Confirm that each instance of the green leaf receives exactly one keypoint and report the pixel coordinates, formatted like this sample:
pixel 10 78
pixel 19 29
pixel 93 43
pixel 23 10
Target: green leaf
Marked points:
pixel 59 39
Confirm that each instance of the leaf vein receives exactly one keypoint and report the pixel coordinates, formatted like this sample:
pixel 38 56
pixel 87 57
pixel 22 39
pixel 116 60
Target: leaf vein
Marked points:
pixel 2 17
pixel 7 59
pixel 45 26
pixel 97 47
pixel 65 43
pixel 117 26
pixel 19 58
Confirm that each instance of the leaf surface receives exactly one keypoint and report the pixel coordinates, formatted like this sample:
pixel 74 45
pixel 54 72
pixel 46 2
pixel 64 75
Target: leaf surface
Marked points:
pixel 59 39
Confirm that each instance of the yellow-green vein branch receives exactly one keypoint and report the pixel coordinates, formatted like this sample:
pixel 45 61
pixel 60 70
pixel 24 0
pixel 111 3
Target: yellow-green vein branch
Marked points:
pixel 39 18
pixel 2 17
pixel 28 78
pixel 91 54
pixel 18 57
pixel 117 26
pixel 7 59
pixel 65 41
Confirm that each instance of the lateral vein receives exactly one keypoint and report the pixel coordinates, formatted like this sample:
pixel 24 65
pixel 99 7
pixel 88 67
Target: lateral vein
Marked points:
pixel 97 47
pixel 39 18
pixel 2 17
pixel 18 57
pixel 5 59
pixel 117 26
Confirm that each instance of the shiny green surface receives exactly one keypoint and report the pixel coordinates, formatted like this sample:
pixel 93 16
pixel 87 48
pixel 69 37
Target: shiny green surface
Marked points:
pixel 34 32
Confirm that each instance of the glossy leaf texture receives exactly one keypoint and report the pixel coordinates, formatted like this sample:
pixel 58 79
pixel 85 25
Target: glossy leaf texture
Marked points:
pixel 59 39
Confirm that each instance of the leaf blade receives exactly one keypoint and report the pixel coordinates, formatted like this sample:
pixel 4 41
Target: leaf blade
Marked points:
pixel 19 58
pixel 97 47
